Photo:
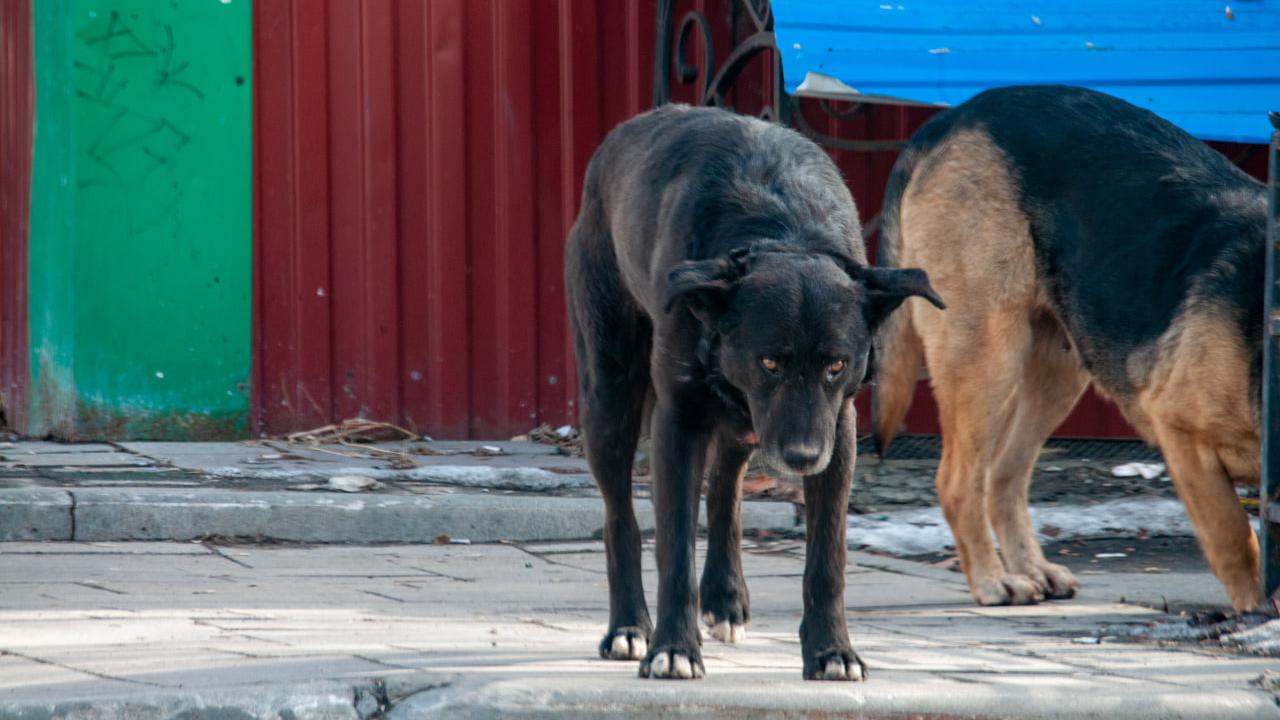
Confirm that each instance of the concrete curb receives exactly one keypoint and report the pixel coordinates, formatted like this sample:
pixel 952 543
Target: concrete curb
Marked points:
pixel 35 514
pixel 330 700
pixel 602 698
pixel 420 696
pixel 118 514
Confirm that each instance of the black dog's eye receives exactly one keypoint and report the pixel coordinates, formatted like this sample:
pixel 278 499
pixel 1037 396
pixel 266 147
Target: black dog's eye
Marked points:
pixel 835 368
pixel 769 364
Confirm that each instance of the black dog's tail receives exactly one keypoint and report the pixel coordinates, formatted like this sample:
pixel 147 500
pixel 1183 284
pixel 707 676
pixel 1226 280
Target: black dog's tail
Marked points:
pixel 899 353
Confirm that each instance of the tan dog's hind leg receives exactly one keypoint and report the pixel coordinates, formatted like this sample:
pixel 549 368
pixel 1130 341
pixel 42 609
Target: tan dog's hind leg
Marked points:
pixel 1052 381
pixel 961 221
pixel 1221 524
pixel 976 400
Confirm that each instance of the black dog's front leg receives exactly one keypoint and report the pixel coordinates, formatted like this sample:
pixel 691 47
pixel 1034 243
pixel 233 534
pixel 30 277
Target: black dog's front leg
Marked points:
pixel 723 592
pixel 679 451
pixel 824 635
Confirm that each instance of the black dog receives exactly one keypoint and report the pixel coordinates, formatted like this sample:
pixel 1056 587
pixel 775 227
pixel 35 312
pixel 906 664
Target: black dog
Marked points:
pixel 717 269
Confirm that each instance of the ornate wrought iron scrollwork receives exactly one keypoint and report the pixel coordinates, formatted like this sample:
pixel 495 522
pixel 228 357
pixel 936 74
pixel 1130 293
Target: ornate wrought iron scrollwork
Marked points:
pixel 673 60
pixel 753 21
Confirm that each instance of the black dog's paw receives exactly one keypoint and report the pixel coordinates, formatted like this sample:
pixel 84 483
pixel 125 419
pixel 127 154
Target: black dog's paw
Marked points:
pixel 835 664
pixel 725 629
pixel 673 662
pixel 726 610
pixel 625 643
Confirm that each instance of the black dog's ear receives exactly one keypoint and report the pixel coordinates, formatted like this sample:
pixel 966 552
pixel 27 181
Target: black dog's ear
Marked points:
pixel 890 286
pixel 704 285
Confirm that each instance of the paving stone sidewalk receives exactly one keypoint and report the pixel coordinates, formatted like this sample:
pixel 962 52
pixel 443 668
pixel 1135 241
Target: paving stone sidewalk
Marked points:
pixel 226 628
pixel 189 630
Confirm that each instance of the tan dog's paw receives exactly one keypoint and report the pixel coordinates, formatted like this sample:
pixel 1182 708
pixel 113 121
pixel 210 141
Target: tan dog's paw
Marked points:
pixel 1055 581
pixel 1007 589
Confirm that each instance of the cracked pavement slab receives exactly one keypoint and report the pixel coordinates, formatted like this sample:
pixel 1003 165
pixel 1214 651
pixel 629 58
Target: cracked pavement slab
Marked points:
pixel 156 630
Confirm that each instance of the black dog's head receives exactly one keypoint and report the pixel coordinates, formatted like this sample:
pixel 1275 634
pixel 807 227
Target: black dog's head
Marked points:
pixel 794 334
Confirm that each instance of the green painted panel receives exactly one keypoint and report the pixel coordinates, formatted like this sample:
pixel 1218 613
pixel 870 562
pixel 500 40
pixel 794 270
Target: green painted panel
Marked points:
pixel 51 247
pixel 140 263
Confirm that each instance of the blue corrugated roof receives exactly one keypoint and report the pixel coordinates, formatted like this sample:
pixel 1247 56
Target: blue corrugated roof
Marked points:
pixel 1213 68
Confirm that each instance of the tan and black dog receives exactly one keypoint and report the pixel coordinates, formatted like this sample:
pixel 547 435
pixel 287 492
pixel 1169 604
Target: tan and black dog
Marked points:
pixel 1077 238
pixel 717 267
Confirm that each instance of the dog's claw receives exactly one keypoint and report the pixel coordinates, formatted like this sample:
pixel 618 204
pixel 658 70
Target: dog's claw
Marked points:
pixel 1054 581
pixel 1059 582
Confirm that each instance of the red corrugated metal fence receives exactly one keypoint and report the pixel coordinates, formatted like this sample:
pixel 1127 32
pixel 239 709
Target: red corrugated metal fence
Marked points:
pixel 417 167
pixel 17 105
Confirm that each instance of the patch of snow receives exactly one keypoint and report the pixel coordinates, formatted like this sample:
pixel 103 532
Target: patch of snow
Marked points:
pixel 1263 639
pixel 353 483
pixel 1148 471
pixel 916 532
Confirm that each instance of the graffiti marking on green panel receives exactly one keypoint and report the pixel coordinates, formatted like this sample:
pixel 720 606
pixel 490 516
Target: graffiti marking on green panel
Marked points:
pixel 144 314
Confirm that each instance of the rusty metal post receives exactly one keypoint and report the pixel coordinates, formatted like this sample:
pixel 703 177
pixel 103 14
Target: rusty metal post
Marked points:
pixel 1269 512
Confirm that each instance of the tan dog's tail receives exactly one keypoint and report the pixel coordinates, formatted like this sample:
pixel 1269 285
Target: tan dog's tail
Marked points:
pixel 899 353
pixel 899 358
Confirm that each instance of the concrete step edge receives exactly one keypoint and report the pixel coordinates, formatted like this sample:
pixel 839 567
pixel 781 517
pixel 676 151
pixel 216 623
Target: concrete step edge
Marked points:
pixel 118 514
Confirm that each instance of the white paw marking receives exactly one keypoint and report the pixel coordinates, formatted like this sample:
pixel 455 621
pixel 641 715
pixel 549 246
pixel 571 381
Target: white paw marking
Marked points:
pixel 836 669
pixel 681 668
pixel 621 648
pixel 727 632
pixel 624 648
pixel 724 631
pixel 673 665
pixel 661 665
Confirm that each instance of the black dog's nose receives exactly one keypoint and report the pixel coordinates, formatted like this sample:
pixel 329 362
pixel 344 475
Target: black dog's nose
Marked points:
pixel 801 457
